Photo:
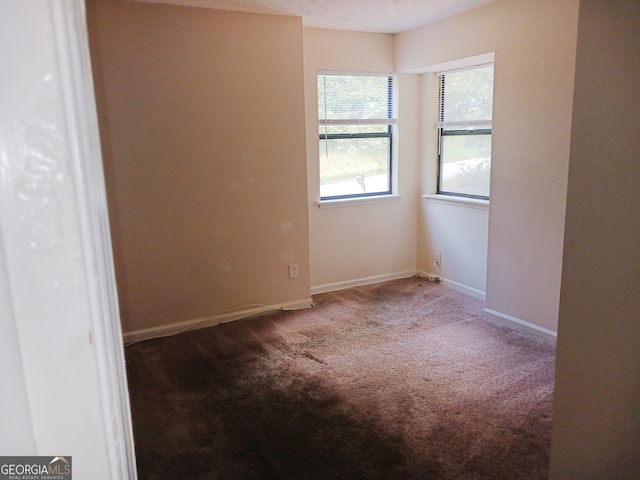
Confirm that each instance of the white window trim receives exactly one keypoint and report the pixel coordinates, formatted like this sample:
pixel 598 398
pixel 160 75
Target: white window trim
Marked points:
pixel 356 201
pixel 447 199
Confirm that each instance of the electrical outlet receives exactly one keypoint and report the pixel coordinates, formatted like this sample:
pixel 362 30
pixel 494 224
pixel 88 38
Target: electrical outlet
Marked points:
pixel 293 270
pixel 438 260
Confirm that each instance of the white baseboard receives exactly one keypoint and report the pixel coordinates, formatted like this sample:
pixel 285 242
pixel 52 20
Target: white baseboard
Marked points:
pixel 331 287
pixel 518 324
pixel 460 287
pixel 472 292
pixel 215 319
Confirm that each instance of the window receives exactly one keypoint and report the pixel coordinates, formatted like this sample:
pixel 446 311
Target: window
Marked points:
pixel 355 113
pixel 464 131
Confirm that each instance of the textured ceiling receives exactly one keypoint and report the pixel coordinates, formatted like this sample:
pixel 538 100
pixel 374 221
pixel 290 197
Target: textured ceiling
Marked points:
pixel 385 16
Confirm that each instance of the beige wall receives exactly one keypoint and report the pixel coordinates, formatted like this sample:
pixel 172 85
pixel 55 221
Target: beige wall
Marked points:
pixel 596 430
pixel 202 125
pixel 534 45
pixel 458 230
pixel 373 240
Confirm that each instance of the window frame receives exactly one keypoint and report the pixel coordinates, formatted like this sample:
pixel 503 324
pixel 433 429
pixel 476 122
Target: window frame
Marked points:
pixel 389 133
pixel 468 131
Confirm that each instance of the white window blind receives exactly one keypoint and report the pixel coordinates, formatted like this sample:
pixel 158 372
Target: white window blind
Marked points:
pixel 355 99
pixel 466 98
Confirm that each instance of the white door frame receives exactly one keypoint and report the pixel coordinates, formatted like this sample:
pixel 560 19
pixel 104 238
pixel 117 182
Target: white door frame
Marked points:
pixel 57 284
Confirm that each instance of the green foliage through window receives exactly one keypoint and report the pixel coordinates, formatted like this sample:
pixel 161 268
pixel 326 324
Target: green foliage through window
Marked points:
pixel 355 117
pixel 465 129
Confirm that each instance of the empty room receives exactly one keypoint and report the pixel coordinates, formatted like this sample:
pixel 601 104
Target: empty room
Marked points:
pixel 347 239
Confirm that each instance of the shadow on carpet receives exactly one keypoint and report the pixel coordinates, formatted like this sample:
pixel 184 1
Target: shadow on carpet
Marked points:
pixel 399 380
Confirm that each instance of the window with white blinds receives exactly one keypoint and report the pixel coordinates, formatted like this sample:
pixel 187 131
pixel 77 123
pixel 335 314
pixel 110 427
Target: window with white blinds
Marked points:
pixel 355 116
pixel 464 131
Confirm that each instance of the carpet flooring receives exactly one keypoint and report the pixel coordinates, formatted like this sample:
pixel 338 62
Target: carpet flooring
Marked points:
pixel 398 380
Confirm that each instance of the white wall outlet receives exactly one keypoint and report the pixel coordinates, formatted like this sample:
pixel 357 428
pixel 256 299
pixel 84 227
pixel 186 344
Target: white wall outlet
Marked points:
pixel 438 260
pixel 293 270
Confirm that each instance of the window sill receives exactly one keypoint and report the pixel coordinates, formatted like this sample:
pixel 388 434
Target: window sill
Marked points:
pixel 352 202
pixel 461 201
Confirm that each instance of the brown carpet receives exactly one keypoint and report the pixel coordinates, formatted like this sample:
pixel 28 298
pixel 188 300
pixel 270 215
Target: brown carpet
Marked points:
pixel 399 380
